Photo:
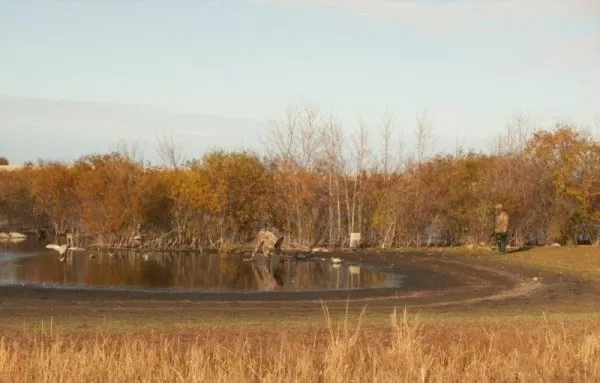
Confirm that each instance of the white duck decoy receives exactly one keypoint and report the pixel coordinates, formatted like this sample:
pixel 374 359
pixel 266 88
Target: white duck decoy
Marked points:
pixel 13 235
pixel 336 260
pixel 63 249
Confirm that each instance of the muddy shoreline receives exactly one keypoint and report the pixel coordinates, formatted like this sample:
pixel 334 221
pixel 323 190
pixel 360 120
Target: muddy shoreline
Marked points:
pixel 434 279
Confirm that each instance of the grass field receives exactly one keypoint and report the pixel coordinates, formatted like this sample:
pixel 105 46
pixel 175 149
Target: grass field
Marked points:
pixel 403 350
pixel 321 343
pixel 582 261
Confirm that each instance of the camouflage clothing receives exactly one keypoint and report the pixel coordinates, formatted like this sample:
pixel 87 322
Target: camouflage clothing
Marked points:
pixel 501 222
pixel 501 228
pixel 270 240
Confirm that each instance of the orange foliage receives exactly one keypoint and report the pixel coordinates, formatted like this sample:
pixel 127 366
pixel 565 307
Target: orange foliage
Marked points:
pixel 551 189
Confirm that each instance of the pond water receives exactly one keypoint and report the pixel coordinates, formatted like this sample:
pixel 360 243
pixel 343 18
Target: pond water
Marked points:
pixel 33 264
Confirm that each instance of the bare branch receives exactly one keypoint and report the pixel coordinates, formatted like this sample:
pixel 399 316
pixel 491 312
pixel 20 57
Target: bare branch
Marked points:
pixel 386 129
pixel 514 139
pixel 360 146
pixel 170 152
pixel 281 141
pixel 459 148
pixel 424 135
pixel 310 135
pixel 400 159
pixel 134 152
pixel 332 139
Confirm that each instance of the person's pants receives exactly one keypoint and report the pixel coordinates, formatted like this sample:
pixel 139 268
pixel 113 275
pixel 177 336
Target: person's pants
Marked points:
pixel 501 238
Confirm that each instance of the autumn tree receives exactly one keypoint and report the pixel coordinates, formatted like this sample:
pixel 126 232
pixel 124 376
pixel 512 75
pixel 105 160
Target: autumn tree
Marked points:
pixel 319 184
pixel 16 205
pixel 235 188
pixel 295 150
pixel 385 192
pixel 569 162
pixel 360 152
pixel 333 163
pixel 158 201
pixel 54 192
pixel 417 192
pixel 108 188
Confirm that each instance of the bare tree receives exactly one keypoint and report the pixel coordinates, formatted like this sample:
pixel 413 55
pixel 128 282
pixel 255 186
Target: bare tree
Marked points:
pixel 310 135
pixel 132 151
pixel 311 151
pixel 298 135
pixel 517 133
pixel 332 139
pixel 172 154
pixel 424 136
pixel 496 145
pixel 281 141
pixel 424 141
pixel 512 141
pixel 282 146
pixel 386 129
pixel 459 145
pixel 401 157
pixel 360 152
pixel 296 143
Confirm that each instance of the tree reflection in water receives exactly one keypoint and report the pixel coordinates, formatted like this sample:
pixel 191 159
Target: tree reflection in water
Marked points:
pixel 185 271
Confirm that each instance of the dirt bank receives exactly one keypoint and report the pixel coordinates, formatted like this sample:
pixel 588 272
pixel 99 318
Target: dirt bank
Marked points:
pixel 436 281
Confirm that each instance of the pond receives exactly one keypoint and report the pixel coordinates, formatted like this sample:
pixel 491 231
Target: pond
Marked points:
pixel 32 264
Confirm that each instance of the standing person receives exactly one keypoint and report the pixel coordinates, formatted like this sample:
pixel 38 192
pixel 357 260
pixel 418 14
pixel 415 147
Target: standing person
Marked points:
pixel 501 228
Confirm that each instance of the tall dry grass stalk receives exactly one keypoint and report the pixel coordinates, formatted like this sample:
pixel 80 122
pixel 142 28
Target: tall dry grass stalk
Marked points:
pixel 346 351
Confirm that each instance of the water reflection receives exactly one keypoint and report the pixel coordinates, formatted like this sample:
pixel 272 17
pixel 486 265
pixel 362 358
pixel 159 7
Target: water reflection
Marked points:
pixel 268 273
pixel 7 243
pixel 203 272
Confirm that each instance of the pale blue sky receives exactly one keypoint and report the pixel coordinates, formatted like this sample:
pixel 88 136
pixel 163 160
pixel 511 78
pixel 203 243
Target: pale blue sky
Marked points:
pixel 471 64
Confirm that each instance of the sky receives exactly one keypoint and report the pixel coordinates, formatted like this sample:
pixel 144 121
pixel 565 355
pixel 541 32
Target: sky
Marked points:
pixel 78 76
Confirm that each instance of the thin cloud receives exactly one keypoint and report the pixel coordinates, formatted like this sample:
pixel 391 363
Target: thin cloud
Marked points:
pixel 441 15
pixel 405 12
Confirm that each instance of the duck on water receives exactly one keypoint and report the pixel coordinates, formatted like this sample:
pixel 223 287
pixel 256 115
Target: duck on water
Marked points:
pixel 63 250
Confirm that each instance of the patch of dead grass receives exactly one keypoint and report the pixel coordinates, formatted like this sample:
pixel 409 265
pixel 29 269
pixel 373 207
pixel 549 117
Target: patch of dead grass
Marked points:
pixel 346 349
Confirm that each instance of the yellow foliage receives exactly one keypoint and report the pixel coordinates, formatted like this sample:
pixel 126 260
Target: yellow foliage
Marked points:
pixel 551 187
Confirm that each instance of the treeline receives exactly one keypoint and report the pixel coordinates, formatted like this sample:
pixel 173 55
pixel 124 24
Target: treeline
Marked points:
pixel 319 185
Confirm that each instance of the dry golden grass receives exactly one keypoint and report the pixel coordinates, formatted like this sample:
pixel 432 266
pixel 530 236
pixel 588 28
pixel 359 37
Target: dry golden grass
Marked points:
pixel 580 261
pixel 405 350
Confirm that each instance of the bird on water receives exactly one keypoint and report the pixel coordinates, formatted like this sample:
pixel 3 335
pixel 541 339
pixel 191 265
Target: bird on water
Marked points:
pixel 63 250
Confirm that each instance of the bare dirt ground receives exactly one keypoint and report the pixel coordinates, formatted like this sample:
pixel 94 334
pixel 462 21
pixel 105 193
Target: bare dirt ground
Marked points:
pixel 438 282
